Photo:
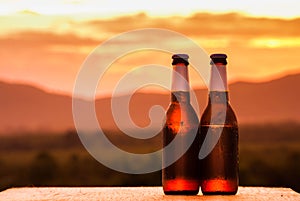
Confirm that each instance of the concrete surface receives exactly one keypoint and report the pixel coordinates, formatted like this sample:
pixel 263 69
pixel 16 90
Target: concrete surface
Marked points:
pixel 137 193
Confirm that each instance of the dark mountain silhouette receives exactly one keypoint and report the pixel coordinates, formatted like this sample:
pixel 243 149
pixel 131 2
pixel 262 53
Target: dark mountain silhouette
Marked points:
pixel 24 108
pixel 276 100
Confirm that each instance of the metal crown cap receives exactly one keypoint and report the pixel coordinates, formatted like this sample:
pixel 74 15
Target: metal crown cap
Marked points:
pixel 218 58
pixel 180 58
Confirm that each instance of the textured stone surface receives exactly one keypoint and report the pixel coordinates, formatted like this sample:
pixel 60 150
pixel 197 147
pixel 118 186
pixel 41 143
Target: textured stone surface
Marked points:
pixel 137 193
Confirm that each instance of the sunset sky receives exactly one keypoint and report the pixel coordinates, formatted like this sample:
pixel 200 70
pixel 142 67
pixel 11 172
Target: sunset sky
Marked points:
pixel 44 43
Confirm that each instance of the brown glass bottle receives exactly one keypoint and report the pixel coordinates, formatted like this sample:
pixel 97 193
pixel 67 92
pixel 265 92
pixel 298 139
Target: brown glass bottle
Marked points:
pixel 182 176
pixel 218 136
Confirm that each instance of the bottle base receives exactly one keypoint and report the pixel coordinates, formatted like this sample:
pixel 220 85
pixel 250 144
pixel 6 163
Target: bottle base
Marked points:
pixel 219 193
pixel 181 192
pixel 219 187
pixel 181 187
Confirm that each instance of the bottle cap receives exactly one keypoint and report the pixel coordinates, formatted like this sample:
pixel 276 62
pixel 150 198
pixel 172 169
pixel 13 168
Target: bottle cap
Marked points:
pixel 218 58
pixel 180 58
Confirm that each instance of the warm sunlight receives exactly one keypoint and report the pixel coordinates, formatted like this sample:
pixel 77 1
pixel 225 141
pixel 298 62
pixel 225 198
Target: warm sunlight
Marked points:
pixel 51 48
pixel 52 38
pixel 75 69
pixel 109 8
pixel 275 42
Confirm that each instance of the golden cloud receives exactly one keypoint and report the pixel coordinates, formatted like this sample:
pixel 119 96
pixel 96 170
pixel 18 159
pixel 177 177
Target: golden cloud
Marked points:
pixel 204 24
pixel 209 30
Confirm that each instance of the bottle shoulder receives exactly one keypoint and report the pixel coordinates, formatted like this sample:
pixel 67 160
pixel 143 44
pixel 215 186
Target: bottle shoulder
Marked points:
pixel 219 114
pixel 181 113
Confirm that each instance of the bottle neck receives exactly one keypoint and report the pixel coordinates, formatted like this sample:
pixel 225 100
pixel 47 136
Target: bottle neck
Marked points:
pixel 218 89
pixel 180 78
pixel 180 83
pixel 218 97
pixel 180 96
pixel 218 78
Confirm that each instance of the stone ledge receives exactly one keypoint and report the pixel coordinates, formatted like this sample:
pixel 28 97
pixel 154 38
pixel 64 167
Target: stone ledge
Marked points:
pixel 137 193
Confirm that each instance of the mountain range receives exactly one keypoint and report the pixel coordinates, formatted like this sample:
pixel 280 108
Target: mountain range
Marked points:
pixel 25 108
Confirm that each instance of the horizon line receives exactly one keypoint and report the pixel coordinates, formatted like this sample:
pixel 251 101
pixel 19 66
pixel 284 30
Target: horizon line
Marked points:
pixel 108 94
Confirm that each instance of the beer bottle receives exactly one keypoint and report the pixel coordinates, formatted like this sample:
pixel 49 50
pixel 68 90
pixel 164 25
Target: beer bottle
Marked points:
pixel 218 135
pixel 181 177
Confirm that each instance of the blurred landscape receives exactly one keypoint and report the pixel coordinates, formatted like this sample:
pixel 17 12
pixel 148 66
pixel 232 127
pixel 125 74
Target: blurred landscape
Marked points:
pixel 40 147
pixel 269 156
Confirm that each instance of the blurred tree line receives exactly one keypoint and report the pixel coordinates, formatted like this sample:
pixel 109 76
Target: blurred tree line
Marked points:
pixel 269 156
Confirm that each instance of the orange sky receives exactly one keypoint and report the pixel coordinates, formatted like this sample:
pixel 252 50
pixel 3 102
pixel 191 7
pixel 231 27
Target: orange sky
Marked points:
pixel 47 49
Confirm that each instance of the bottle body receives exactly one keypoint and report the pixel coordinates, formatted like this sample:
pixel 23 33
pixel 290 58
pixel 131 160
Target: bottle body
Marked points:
pixel 219 169
pixel 182 176
pixel 219 130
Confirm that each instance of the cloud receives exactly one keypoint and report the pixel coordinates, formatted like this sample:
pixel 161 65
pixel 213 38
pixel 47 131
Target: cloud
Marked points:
pixel 204 24
pixel 28 12
pixel 45 37
pixel 46 58
pixel 210 30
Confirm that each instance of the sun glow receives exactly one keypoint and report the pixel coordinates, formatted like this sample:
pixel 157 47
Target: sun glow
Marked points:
pixel 275 42
pixel 38 37
pixel 109 8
